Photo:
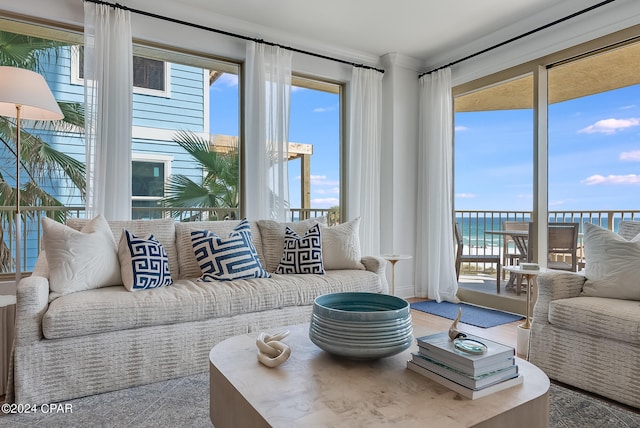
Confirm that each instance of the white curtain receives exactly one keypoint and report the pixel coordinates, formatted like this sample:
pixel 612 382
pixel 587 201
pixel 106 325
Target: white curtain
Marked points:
pixel 108 76
pixel 365 145
pixel 435 269
pixel 268 90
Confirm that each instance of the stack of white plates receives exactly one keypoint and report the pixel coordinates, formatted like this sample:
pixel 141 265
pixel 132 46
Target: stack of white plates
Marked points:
pixel 361 325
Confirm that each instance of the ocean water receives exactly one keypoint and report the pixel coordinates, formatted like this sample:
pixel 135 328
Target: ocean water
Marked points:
pixel 476 241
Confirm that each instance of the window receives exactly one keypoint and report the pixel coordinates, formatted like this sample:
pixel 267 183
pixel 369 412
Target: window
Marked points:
pixel 148 176
pixel 150 76
pixel 315 149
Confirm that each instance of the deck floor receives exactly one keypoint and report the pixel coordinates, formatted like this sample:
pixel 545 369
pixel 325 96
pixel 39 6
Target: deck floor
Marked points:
pixel 480 289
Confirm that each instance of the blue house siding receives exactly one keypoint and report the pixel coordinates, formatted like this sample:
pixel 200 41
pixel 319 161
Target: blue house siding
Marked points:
pixel 183 108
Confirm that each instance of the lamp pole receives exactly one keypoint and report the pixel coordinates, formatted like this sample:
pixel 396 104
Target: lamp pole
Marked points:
pixel 24 94
pixel 18 215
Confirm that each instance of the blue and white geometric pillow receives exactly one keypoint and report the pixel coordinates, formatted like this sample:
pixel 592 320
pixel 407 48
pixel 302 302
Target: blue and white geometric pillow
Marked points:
pixel 243 228
pixel 143 262
pixel 226 259
pixel 302 255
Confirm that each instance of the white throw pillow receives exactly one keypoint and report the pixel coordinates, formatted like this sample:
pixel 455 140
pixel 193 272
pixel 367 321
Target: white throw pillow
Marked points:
pixel 612 265
pixel 341 246
pixel 629 229
pixel 80 260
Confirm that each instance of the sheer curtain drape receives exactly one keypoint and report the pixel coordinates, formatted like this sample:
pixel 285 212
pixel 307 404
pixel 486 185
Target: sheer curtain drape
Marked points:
pixel 268 89
pixel 435 272
pixel 108 76
pixel 365 145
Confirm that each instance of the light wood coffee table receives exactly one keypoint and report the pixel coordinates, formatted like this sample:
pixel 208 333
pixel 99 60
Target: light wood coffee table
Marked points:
pixel 315 389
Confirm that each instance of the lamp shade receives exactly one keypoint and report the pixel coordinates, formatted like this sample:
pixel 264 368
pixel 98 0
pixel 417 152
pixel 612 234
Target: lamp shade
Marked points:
pixel 28 89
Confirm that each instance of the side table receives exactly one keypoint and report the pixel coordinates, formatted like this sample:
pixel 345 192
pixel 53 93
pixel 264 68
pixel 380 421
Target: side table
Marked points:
pixel 7 323
pixel 393 259
pixel 524 330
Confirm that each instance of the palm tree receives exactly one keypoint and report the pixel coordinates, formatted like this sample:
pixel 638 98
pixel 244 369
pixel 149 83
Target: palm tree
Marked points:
pixel 219 185
pixel 40 162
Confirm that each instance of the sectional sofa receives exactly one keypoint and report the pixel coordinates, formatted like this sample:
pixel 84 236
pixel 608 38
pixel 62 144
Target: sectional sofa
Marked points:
pixel 76 343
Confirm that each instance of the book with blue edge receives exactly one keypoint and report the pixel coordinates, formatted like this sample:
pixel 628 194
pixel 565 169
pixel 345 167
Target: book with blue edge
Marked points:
pixel 440 348
pixel 467 380
pixel 464 391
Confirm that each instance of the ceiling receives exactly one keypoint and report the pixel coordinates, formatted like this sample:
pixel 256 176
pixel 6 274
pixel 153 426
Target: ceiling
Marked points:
pixel 612 69
pixel 420 29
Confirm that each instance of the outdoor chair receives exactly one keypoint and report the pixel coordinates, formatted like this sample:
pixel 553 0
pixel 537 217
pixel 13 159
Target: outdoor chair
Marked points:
pixel 474 258
pixel 563 243
pixel 512 257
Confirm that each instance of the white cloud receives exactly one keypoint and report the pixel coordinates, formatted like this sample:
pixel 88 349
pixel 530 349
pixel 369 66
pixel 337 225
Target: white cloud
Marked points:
pixel 466 195
pixel 611 179
pixel 632 156
pixel 323 109
pixel 556 203
pixel 331 191
pixel 321 180
pixel 461 128
pixel 610 126
pixel 628 107
pixel 324 202
pixel 228 80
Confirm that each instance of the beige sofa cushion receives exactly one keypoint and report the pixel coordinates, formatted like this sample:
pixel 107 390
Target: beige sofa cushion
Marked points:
pixel 162 229
pixel 114 308
pixel 189 268
pixel 599 316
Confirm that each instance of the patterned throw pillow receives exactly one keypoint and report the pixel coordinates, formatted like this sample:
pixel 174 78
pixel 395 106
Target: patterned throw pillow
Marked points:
pixel 302 255
pixel 143 262
pixel 226 259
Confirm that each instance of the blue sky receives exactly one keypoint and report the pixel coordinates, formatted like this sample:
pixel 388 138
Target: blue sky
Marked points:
pixel 314 120
pixel 594 155
pixel 594 150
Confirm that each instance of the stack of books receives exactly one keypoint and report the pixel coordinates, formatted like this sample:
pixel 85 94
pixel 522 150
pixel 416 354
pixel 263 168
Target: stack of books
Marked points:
pixel 472 376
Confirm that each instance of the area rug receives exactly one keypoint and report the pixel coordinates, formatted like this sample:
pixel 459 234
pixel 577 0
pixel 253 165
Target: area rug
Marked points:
pixel 472 315
pixel 184 402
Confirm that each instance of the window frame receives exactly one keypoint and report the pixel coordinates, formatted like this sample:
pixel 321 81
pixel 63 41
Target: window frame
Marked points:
pixel 165 93
pixel 152 158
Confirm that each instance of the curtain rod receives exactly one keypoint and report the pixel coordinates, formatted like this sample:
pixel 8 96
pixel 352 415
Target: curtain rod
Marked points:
pixel 513 39
pixel 230 34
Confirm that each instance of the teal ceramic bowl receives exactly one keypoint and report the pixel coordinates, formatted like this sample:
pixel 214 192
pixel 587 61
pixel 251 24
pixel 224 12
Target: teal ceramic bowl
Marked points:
pixel 361 307
pixel 361 326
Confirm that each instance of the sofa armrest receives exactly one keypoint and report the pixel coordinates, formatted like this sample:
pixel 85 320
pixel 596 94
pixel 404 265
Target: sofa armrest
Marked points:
pixel 32 302
pixel 377 265
pixel 554 286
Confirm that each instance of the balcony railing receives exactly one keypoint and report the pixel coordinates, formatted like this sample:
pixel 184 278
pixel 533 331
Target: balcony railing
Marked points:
pixel 473 225
pixel 32 230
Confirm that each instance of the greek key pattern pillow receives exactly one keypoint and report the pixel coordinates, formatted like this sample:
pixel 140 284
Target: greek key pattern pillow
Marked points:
pixel 302 255
pixel 226 259
pixel 143 262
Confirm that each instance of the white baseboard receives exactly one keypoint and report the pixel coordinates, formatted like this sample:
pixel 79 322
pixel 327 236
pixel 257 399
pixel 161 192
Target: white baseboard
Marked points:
pixel 405 291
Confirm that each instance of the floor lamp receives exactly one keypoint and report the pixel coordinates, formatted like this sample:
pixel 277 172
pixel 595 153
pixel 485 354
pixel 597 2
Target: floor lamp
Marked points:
pixel 24 94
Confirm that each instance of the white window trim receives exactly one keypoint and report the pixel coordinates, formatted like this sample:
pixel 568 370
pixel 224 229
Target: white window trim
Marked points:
pixel 77 80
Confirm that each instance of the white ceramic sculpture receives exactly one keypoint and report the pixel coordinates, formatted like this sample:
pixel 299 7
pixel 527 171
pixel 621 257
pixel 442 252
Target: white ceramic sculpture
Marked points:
pixel 271 351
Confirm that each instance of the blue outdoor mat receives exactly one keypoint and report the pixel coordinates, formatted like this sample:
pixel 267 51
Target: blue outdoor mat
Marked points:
pixel 473 315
